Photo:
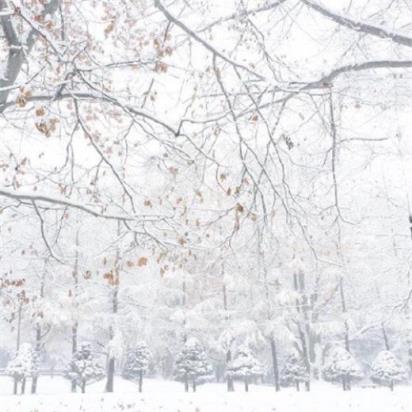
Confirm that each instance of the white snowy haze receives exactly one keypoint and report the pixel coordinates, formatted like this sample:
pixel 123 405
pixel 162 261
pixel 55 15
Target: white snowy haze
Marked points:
pixel 212 192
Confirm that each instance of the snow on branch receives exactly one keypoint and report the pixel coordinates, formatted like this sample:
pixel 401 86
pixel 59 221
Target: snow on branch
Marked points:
pixel 359 26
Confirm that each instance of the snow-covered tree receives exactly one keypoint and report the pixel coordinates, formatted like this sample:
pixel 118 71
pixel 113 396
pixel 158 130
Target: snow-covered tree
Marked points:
pixel 84 368
pixel 245 366
pixel 341 366
pixel 387 369
pixel 137 363
pixel 23 366
pixel 192 365
pixel 294 371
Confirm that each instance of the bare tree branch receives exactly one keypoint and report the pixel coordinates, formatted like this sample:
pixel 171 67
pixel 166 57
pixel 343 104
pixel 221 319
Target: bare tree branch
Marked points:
pixel 359 26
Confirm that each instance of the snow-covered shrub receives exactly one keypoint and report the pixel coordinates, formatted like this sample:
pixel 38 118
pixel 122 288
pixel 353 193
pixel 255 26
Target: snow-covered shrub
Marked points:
pixel 387 369
pixel 341 366
pixel 192 365
pixel 24 365
pixel 84 368
pixel 294 371
pixel 244 366
pixel 137 363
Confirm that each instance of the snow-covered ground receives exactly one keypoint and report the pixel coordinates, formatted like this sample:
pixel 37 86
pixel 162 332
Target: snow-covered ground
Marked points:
pixel 165 396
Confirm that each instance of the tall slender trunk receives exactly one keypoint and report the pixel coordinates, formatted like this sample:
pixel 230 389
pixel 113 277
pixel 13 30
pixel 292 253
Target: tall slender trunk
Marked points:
pixel 298 283
pixel 110 375
pixel 275 363
pixel 140 380
pixel 18 337
pixel 229 378
pixel 74 350
pixel 186 381
pixel 246 384
pixel 194 385
pixel 37 350
pixel 230 384
pixel 38 344
pixel 111 364
pixel 75 325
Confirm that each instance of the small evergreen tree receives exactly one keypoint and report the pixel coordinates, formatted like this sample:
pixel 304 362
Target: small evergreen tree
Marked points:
pixel 137 362
pixel 23 366
pixel 192 364
pixel 294 371
pixel 83 367
pixel 387 369
pixel 341 366
pixel 244 366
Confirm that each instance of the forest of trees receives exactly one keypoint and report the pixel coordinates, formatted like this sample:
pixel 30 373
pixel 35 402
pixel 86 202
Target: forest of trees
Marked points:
pixel 206 191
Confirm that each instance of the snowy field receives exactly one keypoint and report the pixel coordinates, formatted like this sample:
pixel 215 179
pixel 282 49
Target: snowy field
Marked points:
pixel 165 396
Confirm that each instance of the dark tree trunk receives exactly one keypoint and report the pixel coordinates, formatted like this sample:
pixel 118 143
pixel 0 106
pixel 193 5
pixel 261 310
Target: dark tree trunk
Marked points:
pixel 19 313
pixel 230 385
pixel 34 384
pixel 140 381
pixel 246 384
pixel 186 383
pixel 74 350
pixel 194 385
pixel 343 383
pixel 297 386
pixel 23 386
pixel 275 363
pixel 391 386
pixel 307 386
pixel 110 375
pixel 37 350
pixel 115 306
pixel 83 386
pixel 75 325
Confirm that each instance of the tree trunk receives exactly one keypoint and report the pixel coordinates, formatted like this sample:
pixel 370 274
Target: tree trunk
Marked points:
pixel 74 350
pixel 115 306
pixel 37 350
pixel 275 363
pixel 343 383
pixel 230 385
pixel 186 383
pixel 15 380
pixel 23 386
pixel 297 386
pixel 194 385
pixel 110 375
pixel 83 386
pixel 75 325
pixel 391 386
pixel 140 380
pixel 246 384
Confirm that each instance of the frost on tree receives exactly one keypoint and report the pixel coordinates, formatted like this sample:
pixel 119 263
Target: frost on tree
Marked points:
pixel 387 369
pixel 245 366
pixel 23 366
pixel 294 371
pixel 341 366
pixel 137 363
pixel 192 365
pixel 84 368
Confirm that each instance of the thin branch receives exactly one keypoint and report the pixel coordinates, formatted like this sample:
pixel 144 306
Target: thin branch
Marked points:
pixel 359 26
